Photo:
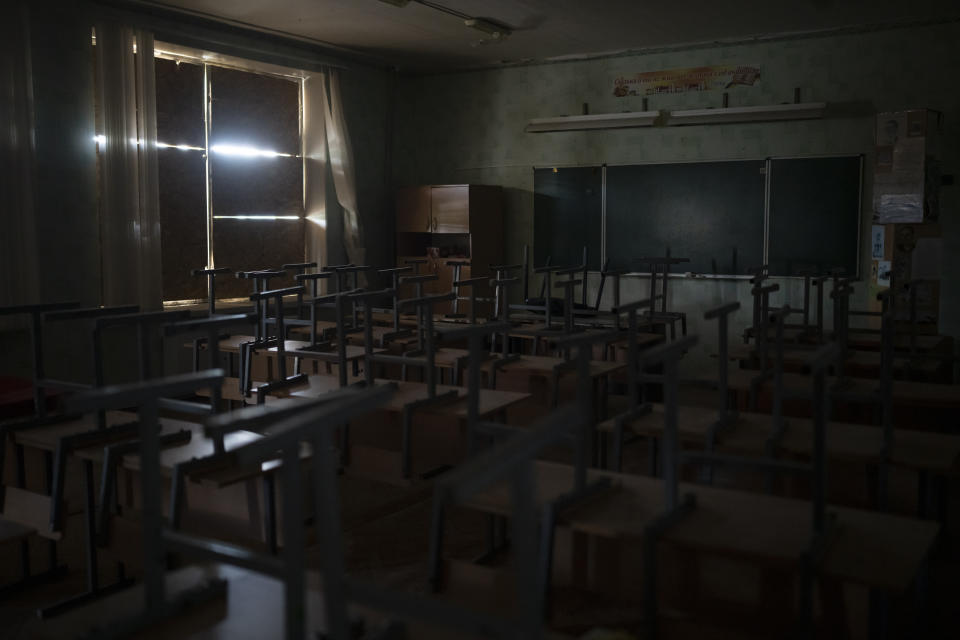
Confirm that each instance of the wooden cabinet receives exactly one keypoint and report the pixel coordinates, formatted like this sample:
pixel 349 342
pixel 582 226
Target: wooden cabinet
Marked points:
pixel 434 209
pixel 451 222
pixel 451 209
pixel 413 210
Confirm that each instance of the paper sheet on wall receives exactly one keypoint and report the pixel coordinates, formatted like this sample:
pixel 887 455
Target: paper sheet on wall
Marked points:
pixel 884 268
pixel 876 241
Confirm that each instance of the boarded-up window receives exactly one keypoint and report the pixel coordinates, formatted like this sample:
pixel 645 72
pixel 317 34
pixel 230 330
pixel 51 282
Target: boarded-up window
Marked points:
pixel 256 176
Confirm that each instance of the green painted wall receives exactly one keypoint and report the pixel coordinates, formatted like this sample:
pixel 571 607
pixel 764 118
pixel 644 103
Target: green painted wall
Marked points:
pixel 469 127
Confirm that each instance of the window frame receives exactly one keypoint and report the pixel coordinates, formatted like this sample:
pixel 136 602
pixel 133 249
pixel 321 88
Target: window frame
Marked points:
pixel 207 60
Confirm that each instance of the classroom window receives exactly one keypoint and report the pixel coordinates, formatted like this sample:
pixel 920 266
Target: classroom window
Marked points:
pixel 231 177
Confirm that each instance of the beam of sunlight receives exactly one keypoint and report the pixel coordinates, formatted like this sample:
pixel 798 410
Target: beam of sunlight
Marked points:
pixel 319 220
pixel 256 217
pixel 102 140
pixel 247 151
pixel 182 147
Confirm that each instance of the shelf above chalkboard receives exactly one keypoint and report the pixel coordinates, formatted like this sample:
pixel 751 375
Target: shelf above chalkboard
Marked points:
pixel 594 121
pixel 721 115
pixel 766 113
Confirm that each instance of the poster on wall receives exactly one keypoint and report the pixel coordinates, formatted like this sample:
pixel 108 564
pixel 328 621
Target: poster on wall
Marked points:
pixel 681 80
pixel 876 241
pixel 884 269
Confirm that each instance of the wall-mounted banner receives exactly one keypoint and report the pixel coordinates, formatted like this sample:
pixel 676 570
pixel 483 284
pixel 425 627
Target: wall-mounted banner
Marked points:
pixel 681 80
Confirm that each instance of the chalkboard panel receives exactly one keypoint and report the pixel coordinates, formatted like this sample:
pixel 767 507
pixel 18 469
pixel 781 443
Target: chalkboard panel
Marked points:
pixel 709 212
pixel 814 214
pixel 567 209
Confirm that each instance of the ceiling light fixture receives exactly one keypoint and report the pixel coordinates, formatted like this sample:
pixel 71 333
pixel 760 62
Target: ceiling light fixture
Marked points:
pixel 495 30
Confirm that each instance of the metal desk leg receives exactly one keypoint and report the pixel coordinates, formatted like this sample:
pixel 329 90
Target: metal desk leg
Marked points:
pixel 21 473
pixel 48 479
pixel 436 545
pixel 923 494
pixel 652 457
pixel 270 513
pixel 405 454
pixel 93 589
pixel 345 444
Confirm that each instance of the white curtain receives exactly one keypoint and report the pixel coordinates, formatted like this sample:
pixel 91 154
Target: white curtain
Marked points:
pixel 18 247
pixel 341 165
pixel 129 202
pixel 315 170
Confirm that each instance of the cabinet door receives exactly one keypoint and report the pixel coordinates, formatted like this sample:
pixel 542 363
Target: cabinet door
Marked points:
pixel 451 209
pixel 413 210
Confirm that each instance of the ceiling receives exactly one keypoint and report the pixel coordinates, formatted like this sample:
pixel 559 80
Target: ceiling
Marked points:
pixel 417 37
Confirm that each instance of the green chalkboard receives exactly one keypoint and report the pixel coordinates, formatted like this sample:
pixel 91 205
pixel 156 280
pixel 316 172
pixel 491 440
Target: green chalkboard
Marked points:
pixel 567 210
pixel 709 212
pixel 814 214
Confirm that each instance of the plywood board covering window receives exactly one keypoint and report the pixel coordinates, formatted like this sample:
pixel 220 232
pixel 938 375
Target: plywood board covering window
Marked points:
pixel 255 202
